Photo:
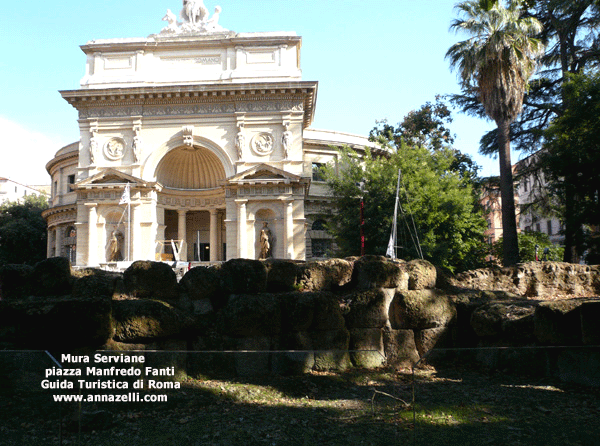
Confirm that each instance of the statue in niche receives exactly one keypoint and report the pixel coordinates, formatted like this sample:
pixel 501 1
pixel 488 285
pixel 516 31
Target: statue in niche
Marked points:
pixel 93 146
pixel 286 140
pixel 137 145
pixel 240 141
pixel 115 246
pixel 266 240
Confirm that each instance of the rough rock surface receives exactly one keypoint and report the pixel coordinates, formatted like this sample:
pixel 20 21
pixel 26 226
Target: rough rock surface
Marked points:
pixel 325 275
pixel 156 280
pixel 377 272
pixel 422 275
pixel 51 277
pixel 420 309
pixel 243 276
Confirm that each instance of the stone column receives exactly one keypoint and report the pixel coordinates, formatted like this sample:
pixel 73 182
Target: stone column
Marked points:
pixel 58 241
pixel 92 234
pixel 214 240
pixel 182 234
pixel 288 228
pixel 242 239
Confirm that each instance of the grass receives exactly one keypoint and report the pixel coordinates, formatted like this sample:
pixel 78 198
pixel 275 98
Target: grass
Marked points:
pixel 454 405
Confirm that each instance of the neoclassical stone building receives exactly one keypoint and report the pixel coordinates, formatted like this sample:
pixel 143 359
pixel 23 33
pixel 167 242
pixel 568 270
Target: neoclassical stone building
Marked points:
pixel 211 131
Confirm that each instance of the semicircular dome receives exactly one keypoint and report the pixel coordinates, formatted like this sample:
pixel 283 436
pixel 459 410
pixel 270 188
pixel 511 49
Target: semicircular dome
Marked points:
pixel 184 168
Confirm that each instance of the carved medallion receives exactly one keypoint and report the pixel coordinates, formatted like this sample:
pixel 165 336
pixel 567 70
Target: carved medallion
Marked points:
pixel 262 144
pixel 114 149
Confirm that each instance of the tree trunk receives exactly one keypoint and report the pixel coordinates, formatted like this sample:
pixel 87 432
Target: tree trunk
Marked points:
pixel 509 219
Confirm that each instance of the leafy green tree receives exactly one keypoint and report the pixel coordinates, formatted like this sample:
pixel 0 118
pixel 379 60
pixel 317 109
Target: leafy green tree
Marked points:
pixel 571 31
pixel 436 201
pixel 571 160
pixel 23 236
pixel 496 63
pixel 527 247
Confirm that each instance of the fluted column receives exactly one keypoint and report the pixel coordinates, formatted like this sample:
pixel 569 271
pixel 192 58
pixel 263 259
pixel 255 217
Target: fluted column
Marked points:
pixel 242 239
pixel 182 234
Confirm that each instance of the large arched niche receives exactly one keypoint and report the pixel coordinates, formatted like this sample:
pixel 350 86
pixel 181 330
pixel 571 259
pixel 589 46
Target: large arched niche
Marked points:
pixel 154 162
pixel 190 168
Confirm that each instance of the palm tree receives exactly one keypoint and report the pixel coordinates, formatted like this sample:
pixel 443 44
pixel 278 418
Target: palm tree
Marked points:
pixel 497 62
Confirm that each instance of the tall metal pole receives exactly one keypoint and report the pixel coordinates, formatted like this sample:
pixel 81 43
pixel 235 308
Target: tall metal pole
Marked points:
pixel 362 225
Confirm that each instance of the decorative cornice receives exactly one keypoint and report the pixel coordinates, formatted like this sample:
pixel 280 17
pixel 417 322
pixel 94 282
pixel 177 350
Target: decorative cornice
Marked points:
pixel 196 99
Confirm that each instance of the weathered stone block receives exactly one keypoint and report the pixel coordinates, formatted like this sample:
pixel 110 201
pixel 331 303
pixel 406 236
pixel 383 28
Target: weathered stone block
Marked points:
pixel 400 348
pixel 421 309
pixel 95 283
pixel 151 280
pixel 143 320
pixel 251 315
pixel 366 347
pixel 282 275
pixel 377 272
pixel 368 309
pixel 203 283
pixel 558 322
pixel 243 276
pixel 427 339
pixel 331 349
pixel 590 322
pixel 422 275
pixel 325 275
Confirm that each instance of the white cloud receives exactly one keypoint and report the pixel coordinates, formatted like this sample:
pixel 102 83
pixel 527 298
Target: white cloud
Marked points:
pixel 24 153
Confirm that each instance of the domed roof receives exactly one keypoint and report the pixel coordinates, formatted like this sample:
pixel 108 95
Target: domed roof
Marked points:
pixel 190 168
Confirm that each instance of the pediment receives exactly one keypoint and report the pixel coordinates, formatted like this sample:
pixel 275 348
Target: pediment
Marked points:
pixel 111 177
pixel 264 173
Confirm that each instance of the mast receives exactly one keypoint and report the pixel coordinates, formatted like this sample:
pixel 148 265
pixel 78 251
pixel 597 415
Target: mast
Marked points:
pixel 392 245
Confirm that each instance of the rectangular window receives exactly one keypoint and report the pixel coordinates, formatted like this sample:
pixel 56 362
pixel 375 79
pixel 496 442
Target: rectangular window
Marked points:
pixel 549 227
pixel 71 179
pixel 317 175
pixel 525 185
pixel 538 228
pixel 489 224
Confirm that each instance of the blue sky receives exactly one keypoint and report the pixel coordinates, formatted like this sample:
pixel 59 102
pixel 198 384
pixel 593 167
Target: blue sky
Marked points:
pixel 373 60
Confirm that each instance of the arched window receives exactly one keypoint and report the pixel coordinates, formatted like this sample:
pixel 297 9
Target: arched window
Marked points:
pixel 318 225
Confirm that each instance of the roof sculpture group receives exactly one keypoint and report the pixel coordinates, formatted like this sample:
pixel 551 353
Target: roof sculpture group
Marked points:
pixel 195 19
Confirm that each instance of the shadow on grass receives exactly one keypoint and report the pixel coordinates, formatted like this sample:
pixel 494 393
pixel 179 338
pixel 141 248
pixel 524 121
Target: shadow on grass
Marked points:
pixel 455 404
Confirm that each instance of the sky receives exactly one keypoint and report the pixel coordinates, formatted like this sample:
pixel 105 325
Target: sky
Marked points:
pixel 373 60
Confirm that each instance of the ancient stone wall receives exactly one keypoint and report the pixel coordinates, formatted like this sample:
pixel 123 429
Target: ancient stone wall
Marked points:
pixel 333 314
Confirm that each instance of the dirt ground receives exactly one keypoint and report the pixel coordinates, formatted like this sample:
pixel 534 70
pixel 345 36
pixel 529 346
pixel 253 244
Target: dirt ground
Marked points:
pixel 453 404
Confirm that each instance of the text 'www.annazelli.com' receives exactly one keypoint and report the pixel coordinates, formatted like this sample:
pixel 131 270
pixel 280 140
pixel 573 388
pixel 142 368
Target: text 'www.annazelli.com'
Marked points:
pixel 131 397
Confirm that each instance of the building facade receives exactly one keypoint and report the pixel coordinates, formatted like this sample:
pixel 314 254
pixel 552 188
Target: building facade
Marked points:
pixel 15 192
pixel 210 132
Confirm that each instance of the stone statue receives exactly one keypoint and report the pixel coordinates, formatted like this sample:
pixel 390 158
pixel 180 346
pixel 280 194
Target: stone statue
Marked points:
pixel 137 145
pixel 115 247
pixel 286 140
pixel 171 19
pixel 213 23
pixel 194 11
pixel 93 146
pixel 240 141
pixel 195 20
pixel 265 241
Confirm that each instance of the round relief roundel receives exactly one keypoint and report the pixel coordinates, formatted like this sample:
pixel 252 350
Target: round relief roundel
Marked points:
pixel 262 144
pixel 114 149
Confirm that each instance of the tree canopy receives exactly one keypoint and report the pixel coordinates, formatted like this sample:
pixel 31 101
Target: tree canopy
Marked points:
pixel 23 237
pixel 435 199
pixel 495 64
pixel 571 161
